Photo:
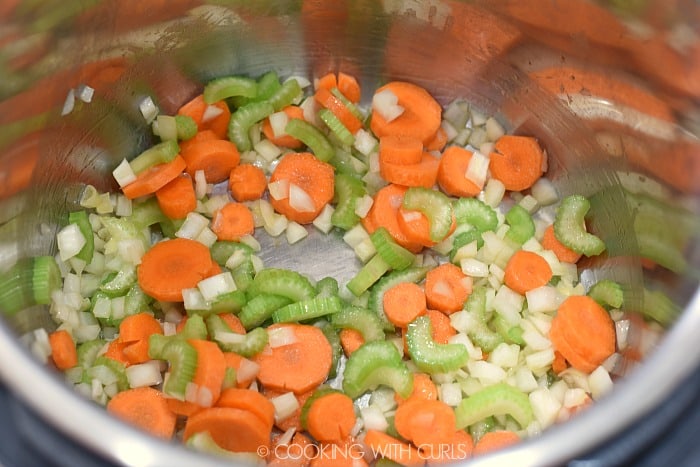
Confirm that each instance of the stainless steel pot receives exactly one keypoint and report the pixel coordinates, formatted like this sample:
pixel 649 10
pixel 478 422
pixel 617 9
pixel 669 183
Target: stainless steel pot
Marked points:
pixel 500 55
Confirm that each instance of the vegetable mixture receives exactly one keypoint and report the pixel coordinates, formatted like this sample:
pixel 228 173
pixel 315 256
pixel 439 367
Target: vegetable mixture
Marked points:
pixel 465 330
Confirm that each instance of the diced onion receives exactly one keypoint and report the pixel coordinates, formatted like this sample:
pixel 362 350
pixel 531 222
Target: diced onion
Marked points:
pixel 600 382
pixel 247 370
pixel 237 258
pixel 508 304
pixel 494 130
pixel 493 192
pixel 411 216
pixel 545 406
pixel 278 123
pixel 487 373
pixel 207 237
pixel 365 250
pixel 144 374
pixel 277 225
pixel 286 437
pixel 84 93
pixel 280 337
pixel 505 355
pixel 525 380
pixel 131 250
pixel 251 242
pixel 69 103
pixel 123 174
pixel 539 360
pixel 192 226
pixel 194 300
pixel 295 232
pixel 365 142
pixel 622 328
pixel 450 394
pixel 355 235
pixel 148 109
pixel 363 205
pixel 473 267
pixel 386 103
pixel 229 337
pixel 210 113
pixel 299 200
pixel 267 150
pixel 200 184
pixel 216 285
pixel 544 191
pixel 323 220
pixel 373 418
pixel 285 405
pixel 543 299
pixel 383 398
pixel 279 189
pixel 70 241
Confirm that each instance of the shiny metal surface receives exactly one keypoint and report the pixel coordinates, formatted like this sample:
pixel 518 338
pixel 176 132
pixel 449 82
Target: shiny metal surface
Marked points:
pixel 489 52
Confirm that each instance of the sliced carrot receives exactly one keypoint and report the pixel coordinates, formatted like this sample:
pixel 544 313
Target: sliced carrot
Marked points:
pixel 312 176
pixel 421 115
pixel 196 109
pixel 495 440
pixel 423 173
pixel 517 161
pixel 233 322
pixel 327 81
pixel 459 446
pixel 416 226
pixel 199 137
pixel 136 352
pixel 403 303
pixel 384 213
pixel 298 366
pixel 438 141
pixel 285 141
pixel 115 351
pixel 452 173
pixel 425 422
pixel 151 180
pixel 442 329
pixel 583 332
pixel 350 340
pixel 559 363
pixel 384 445
pixel 447 288
pixel 146 408
pixel 236 361
pixel 293 420
pixel 236 430
pixel 349 87
pixel 247 182
pixel 183 408
pixel 216 158
pixel 63 351
pixel 326 98
pixel 211 367
pixel 139 326
pixel 331 417
pixel 250 400
pixel 525 271
pixel 300 451
pixel 550 242
pixel 400 149
pixel 172 265
pixel 423 388
pixel 177 198
pixel 233 221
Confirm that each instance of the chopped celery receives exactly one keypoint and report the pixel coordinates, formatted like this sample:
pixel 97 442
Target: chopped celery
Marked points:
pixel 334 340
pixel 222 250
pixel 476 213
pixel 243 119
pixel 396 256
pixel 231 302
pixel 569 226
pixel 607 293
pixel 348 190
pixel 376 294
pixel 285 95
pixel 435 205
pixel 29 282
pixel 362 320
pixel 268 85
pixel 307 309
pixel 510 334
pixel 284 282
pixel 182 359
pixel 120 283
pixel 260 308
pixel 252 343
pixel 80 218
pixel 347 103
pixel 312 137
pixel 498 399
pixel 659 307
pixel 327 287
pixel 117 368
pixel 229 86
pixel 337 128
pixel 427 354
pixel 374 364
pixel 479 331
pixel 368 275
pixel 146 212
pixel 522 227
pixel 186 127
pixel 161 153
pixel 88 352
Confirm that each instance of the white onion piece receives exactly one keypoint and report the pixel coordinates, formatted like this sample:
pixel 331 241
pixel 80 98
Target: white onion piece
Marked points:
pixel 544 191
pixel 323 220
pixel 69 103
pixel 411 216
pixel 123 174
pixel 600 382
pixel 545 406
pixel 216 285
pixel 285 405
pixel 300 200
pixel 280 337
pixel 148 109
pixel 200 184
pixel 450 394
pixel 386 104
pixel 192 226
pixel 477 169
pixel 144 374
pixel 229 337
pixel 494 192
pixel 268 150
pixel 278 123
pixel 508 304
pixel 373 418
pixel 494 130
pixel 210 113
pixel 70 241
pixel 247 370
pixel 363 205
pixel 365 142
pixel 85 93
pixel 487 373
pixel 194 300
pixel 355 236
pixel 295 232
pixel 279 189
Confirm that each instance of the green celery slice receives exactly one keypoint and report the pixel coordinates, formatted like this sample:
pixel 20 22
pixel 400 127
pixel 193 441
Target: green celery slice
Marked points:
pixel 374 364
pixel 368 275
pixel 284 282
pixel 376 294
pixel 336 126
pixel 334 340
pixel 480 333
pixel 222 250
pixel 116 367
pixel 607 292
pixel 243 119
pixel 522 227
pixel 430 356
pixel 186 127
pixel 260 308
pixel 182 359
pixel 253 342
pixel 362 320
pixel 396 256
pixel 160 153
pixel 81 219
pixel 348 190
pixel 285 95
pixel 569 226
pixel 435 205
pixel 229 86
pixel 498 399
pixel 312 137
pixel 475 212
pixel 327 286
pixel 308 309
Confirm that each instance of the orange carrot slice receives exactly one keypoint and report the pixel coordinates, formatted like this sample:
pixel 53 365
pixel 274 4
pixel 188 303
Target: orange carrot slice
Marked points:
pixel 145 408
pixel 517 161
